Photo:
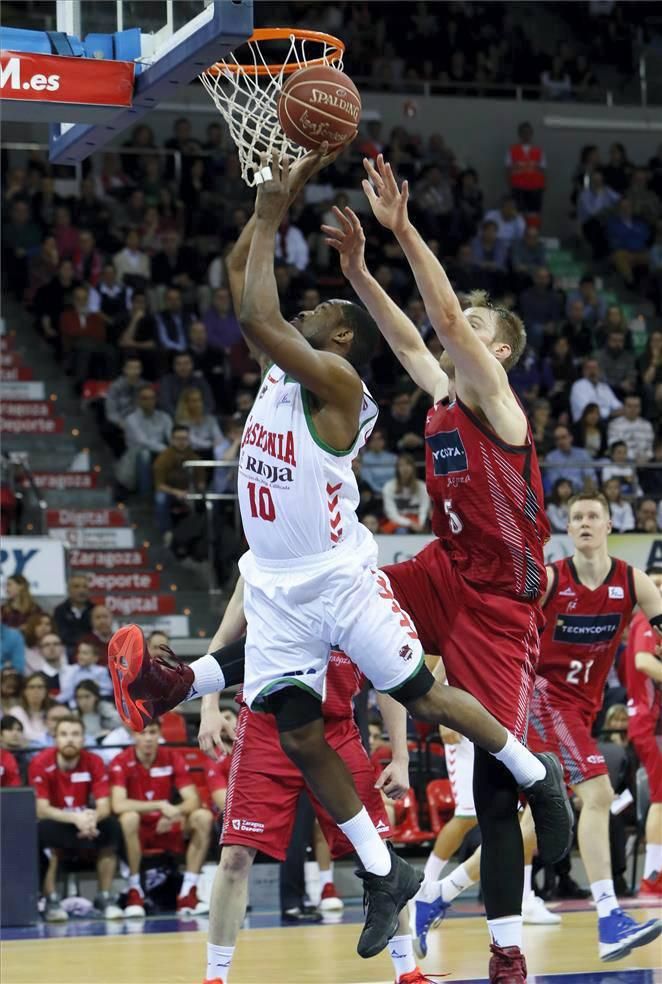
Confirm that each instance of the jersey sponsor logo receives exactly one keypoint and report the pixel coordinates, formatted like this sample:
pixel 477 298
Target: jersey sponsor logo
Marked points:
pixel 405 653
pixel 381 827
pixel 448 453
pixel 567 593
pixel 586 630
pixel 595 759
pixel 272 473
pixel 276 445
pixel 248 826
pixel 157 771
pixel 69 801
pixel 615 591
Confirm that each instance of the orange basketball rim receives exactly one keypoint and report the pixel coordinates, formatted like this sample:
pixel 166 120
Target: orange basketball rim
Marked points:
pixel 332 52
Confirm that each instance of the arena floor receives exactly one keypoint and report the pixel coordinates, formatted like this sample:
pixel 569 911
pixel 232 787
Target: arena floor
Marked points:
pixel 170 951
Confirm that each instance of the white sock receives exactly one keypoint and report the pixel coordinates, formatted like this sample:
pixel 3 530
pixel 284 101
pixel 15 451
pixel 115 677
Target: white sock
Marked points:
pixel 455 883
pixel 506 931
pixel 134 882
pixel 219 959
pixel 326 878
pixel 434 867
pixel 528 885
pixel 401 952
pixel 208 677
pixel 523 764
pixel 604 896
pixel 653 862
pixel 361 832
pixel 190 881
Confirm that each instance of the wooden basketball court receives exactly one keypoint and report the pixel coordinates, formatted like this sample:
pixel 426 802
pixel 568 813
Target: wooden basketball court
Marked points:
pixel 316 955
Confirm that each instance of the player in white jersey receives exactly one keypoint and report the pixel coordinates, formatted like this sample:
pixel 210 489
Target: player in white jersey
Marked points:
pixel 311 578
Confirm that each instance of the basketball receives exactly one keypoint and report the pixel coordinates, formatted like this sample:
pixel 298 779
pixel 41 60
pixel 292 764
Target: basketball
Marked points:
pixel 319 104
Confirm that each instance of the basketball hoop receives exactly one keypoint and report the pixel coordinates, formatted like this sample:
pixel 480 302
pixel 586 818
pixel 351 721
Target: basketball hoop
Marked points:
pixel 246 92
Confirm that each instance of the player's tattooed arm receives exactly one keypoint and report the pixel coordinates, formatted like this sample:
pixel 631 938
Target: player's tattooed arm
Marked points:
pixel 400 332
pixel 394 779
pixel 329 376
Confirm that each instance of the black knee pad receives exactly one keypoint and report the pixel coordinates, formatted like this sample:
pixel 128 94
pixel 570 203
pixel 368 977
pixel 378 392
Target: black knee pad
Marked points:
pixel 293 707
pixel 415 687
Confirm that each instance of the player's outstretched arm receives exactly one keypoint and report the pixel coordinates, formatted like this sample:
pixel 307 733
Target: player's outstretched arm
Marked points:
pixel 389 204
pixel 329 376
pixel 300 172
pixel 399 331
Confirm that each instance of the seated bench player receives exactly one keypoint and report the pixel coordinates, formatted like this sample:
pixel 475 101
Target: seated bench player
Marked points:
pixel 73 809
pixel 145 779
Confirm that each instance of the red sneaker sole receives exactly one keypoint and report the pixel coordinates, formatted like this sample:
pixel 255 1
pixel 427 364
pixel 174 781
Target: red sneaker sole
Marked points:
pixel 125 660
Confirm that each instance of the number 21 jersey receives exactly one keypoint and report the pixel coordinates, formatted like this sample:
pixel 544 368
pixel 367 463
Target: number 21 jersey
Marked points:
pixel 582 633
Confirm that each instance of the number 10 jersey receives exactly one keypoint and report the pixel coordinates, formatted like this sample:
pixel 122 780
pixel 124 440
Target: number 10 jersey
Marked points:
pixel 297 495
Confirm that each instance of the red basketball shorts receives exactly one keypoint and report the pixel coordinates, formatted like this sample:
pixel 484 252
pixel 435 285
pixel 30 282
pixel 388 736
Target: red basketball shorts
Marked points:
pixel 489 643
pixel 649 753
pixel 172 841
pixel 565 731
pixel 265 785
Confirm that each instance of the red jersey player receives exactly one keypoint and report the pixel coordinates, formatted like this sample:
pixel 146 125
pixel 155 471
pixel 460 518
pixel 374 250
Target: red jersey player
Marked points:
pixel 144 779
pixel 643 679
pixel 587 604
pixel 73 809
pixel 482 577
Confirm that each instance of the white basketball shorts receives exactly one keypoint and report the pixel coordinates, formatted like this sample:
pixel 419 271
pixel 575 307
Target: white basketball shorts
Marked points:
pixel 297 611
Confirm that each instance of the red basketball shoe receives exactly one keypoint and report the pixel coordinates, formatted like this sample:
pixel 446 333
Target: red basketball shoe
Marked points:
pixel 190 905
pixel 507 965
pixel 330 901
pixel 145 686
pixel 651 887
pixel 417 976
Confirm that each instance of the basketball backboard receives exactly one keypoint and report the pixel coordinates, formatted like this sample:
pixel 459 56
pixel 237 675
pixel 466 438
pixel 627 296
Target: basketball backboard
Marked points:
pixel 175 41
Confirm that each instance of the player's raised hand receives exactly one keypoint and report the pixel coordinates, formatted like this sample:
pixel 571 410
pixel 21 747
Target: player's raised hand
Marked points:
pixel 387 201
pixel 274 191
pixel 306 167
pixel 394 780
pixel 348 240
pixel 215 735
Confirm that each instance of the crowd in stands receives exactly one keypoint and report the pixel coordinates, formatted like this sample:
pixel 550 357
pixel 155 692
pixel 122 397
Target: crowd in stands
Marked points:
pixel 126 280
pixel 472 47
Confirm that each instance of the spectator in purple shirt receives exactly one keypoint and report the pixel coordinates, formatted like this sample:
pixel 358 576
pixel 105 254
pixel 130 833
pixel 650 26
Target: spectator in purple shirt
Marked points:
pixel 223 329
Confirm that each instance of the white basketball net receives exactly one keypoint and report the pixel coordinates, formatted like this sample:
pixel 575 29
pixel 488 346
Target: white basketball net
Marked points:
pixel 247 100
